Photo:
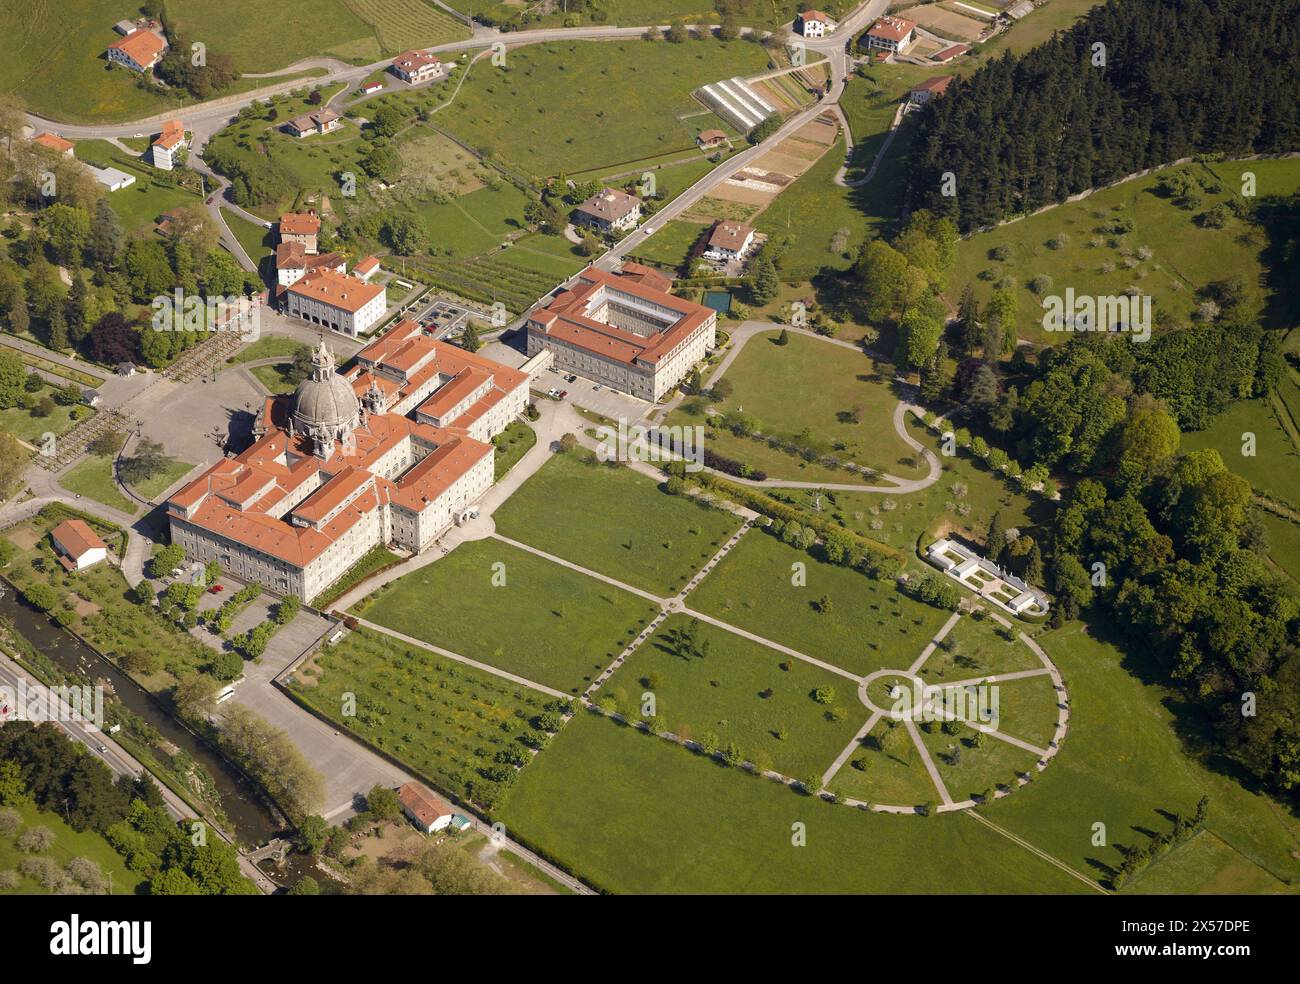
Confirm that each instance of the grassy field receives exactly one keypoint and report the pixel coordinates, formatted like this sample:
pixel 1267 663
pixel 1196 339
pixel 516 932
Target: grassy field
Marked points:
pixel 549 110
pixel 445 719
pixel 963 501
pixel 871 624
pixel 30 426
pixel 1168 254
pixel 138 206
pixel 896 777
pixel 655 819
pixel 275 378
pixel 93 478
pixel 976 647
pixel 824 227
pixel 1129 757
pixel 1283 543
pixel 258 241
pixel 68 844
pixel 266 347
pixel 615 521
pixel 1274 468
pixel 741 692
pixel 834 383
pixel 671 245
pixel 563 627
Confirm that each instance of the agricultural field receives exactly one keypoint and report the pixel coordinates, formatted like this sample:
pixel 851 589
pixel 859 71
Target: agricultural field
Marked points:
pixel 868 623
pixel 1127 236
pixel 630 529
pixel 359 31
pixel 548 110
pixel 443 718
pixel 641 794
pixel 564 627
pixel 68 844
pixel 739 692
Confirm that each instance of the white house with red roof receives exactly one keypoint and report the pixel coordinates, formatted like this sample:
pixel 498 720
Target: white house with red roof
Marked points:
pixel 427 811
pixel 418 66
pixel 609 210
pixel 166 147
pixel 890 34
pixel 139 51
pixel 814 24
pixel 77 545
pixel 729 241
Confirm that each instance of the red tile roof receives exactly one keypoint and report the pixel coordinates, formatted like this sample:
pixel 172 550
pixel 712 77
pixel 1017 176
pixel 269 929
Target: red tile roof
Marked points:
pixel 936 86
pixel 730 235
pixel 892 28
pixel 173 132
pixel 76 538
pixel 53 142
pixel 412 61
pixel 422 804
pixel 143 47
pixel 610 205
pixel 299 223
pixel 337 290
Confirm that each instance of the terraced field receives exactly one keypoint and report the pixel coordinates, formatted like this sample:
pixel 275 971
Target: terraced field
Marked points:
pixel 488 279
pixel 404 24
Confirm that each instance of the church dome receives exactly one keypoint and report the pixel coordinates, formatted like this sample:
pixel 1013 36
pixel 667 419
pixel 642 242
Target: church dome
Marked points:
pixel 324 402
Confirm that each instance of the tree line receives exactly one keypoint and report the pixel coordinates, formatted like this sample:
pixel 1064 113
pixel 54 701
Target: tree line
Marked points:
pixel 1134 84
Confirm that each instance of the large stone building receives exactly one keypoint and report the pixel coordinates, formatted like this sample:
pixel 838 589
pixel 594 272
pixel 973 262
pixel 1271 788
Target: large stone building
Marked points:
pixel 624 330
pixel 336 301
pixel 338 467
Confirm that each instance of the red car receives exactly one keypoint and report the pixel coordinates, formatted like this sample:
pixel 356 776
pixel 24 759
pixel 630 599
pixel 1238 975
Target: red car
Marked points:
pixel 216 589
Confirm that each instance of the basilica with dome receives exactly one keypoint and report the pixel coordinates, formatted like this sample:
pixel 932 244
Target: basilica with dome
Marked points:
pixel 394 451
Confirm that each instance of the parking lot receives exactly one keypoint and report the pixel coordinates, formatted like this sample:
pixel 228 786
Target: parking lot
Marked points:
pixel 446 319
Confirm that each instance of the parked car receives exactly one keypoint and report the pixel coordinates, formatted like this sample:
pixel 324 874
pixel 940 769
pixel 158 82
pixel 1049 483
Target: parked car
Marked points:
pixel 563 394
pixel 216 589
pixel 570 378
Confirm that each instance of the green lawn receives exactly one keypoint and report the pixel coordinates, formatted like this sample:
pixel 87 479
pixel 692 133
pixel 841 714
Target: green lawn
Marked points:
pixel 1283 542
pixel 658 819
pixel 444 719
pixel 93 478
pixel 581 106
pixel 834 384
pixel 1123 763
pixel 153 487
pixel 740 692
pixel 615 521
pixel 266 347
pixel 963 501
pixel 871 623
pixel 975 647
pixel 546 623
pixel 376 558
pixel 968 771
pixel 258 241
pixel 275 378
pixel 68 844
pixel 671 245
pixel 512 444
pixel 816 216
pixel 1274 468
pixel 140 205
pixel 896 777
pixel 29 426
